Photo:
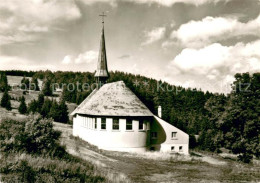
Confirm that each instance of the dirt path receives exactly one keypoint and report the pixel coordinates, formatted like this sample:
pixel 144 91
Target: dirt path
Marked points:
pixel 127 167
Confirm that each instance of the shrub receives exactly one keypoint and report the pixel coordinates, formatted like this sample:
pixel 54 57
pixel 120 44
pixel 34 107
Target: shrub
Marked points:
pixel 5 101
pixel 12 135
pixel 28 168
pixel 40 135
pixel 35 135
pixel 22 107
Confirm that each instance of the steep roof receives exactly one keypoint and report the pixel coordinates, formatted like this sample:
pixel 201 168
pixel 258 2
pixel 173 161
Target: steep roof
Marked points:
pixel 113 99
pixel 102 58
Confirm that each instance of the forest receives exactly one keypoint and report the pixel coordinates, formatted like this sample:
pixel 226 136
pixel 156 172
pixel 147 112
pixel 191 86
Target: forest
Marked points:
pixel 218 120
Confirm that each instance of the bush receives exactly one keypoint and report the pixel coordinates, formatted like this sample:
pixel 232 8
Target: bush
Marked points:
pixel 47 162
pixel 22 107
pixel 5 101
pixel 35 135
pixel 245 157
pixel 192 141
pixel 40 135
pixel 27 168
pixel 12 135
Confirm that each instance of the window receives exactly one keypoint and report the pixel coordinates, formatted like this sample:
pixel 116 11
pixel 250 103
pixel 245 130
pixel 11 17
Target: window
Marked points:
pixel 103 123
pixel 115 124
pixel 141 125
pixel 180 148
pixel 95 121
pixel 174 134
pixel 91 123
pixel 172 148
pixel 129 124
pixel 154 135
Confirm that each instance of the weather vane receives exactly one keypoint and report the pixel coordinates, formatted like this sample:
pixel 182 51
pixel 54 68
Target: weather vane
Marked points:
pixel 103 16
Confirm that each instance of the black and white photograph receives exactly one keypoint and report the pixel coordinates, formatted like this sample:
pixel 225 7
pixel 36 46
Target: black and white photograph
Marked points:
pixel 129 91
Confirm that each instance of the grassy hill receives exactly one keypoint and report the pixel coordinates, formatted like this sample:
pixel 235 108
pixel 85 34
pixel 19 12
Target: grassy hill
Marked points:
pixel 195 111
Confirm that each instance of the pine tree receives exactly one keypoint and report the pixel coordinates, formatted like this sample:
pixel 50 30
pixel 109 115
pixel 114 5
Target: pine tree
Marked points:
pixel 3 82
pixel 47 90
pixel 22 108
pixel 25 83
pixel 8 105
pixel 40 102
pixel 55 112
pixel 35 84
pixel 45 109
pixel 5 101
pixel 63 112
pixel 33 106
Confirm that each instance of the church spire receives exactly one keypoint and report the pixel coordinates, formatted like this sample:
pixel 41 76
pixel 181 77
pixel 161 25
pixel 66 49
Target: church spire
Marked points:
pixel 102 74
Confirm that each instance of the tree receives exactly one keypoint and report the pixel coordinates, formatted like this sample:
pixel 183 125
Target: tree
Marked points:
pixel 233 121
pixel 5 101
pixel 192 141
pixel 55 112
pixel 241 119
pixel 25 83
pixel 33 135
pixel 33 106
pixel 45 109
pixel 47 90
pixel 41 137
pixel 63 112
pixel 22 108
pixel 34 84
pixel 40 102
pixel 8 105
pixel 3 82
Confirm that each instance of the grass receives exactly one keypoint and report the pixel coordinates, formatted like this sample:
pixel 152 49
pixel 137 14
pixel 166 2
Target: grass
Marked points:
pixel 30 152
pixel 100 165
pixel 28 168
pixel 164 167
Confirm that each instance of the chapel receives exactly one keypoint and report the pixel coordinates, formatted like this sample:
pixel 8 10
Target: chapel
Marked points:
pixel 113 118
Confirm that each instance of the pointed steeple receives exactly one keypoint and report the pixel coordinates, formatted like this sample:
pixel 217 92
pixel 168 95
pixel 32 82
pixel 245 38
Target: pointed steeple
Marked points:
pixel 102 74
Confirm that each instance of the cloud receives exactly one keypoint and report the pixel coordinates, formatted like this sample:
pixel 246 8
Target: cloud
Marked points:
pixel 217 64
pixel 18 63
pixel 166 3
pixel 33 28
pixel 67 59
pixel 87 57
pixel 112 3
pixel 21 18
pixel 122 57
pixel 172 2
pixel 154 35
pixel 168 43
pixel 210 30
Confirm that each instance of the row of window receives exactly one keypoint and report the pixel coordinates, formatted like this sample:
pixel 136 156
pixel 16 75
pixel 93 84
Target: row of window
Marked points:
pixel 173 148
pixel 154 135
pixel 92 124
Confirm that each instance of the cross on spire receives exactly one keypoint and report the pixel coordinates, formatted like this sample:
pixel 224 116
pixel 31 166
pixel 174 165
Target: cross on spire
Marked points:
pixel 102 74
pixel 103 16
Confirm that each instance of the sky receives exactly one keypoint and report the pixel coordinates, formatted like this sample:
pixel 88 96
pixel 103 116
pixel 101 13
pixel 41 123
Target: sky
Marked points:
pixel 191 43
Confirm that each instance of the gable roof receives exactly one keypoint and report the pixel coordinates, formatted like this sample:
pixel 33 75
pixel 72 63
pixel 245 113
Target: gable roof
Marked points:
pixel 113 99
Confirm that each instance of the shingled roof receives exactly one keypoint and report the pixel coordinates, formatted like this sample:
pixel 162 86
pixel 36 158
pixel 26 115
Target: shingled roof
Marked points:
pixel 112 99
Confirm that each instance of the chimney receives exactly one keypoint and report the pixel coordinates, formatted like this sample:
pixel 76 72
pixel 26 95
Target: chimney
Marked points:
pixel 160 111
